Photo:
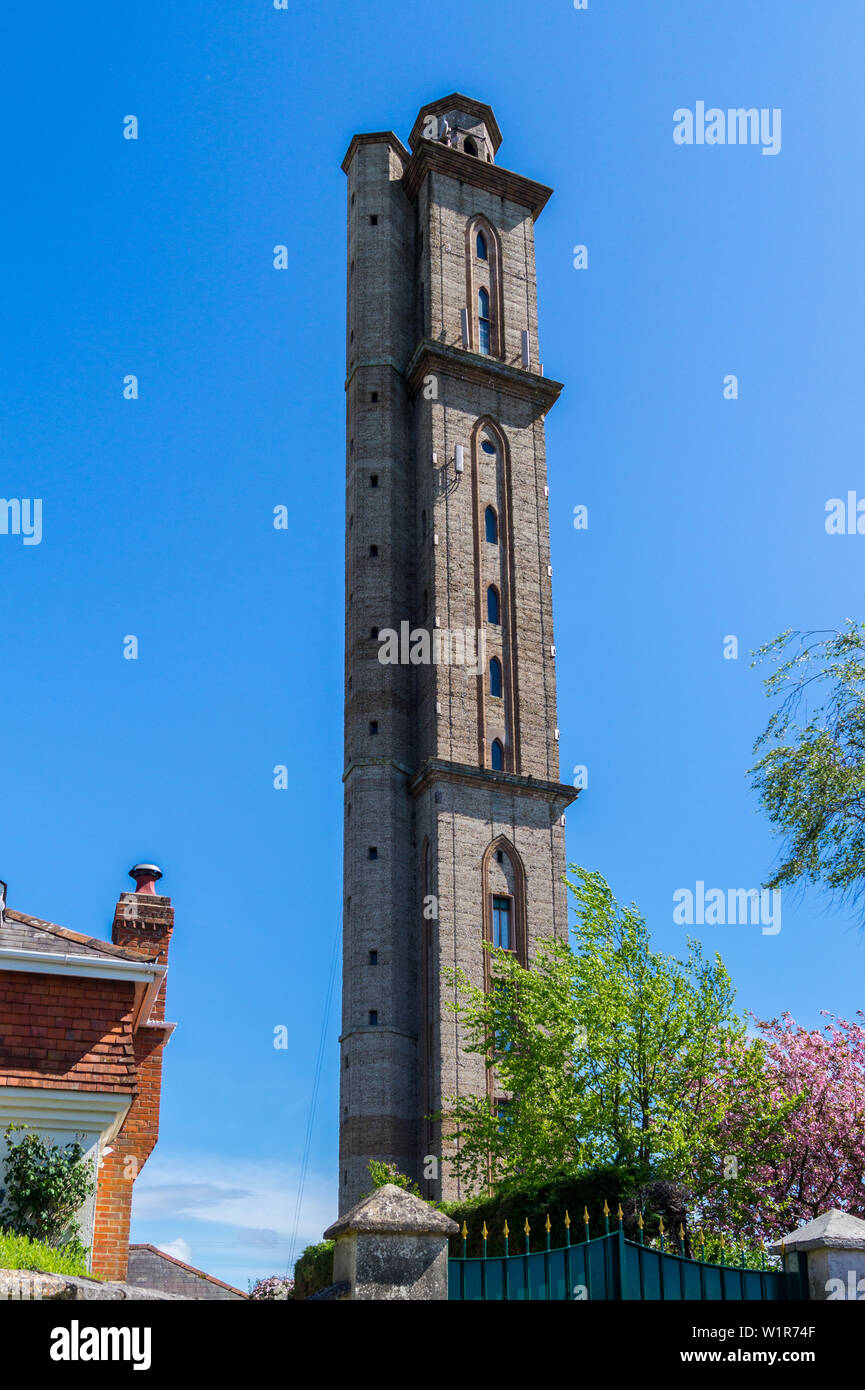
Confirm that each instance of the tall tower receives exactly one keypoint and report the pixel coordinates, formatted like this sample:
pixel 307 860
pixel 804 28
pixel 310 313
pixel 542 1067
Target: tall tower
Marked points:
pixel 454 824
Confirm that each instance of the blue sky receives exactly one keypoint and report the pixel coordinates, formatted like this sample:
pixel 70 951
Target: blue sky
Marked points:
pixel 706 516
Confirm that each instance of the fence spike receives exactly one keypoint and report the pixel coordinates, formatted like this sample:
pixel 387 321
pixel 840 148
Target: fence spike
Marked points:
pixel 485 1232
pixel 527 1227
pixel 567 1219
pixel 640 1220
pixel 661 1230
pixel 547 1226
pixel 506 1232
pixel 606 1208
pixel 620 1214
pixel 681 1231
pixel 464 1232
pixel 586 1215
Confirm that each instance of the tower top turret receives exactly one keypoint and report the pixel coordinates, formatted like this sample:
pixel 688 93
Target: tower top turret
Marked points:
pixel 460 122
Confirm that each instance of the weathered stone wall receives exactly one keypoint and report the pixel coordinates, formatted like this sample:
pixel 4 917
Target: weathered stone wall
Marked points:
pixel 24 1284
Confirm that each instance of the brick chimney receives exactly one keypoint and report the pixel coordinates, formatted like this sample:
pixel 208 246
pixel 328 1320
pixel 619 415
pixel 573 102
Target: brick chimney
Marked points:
pixel 143 923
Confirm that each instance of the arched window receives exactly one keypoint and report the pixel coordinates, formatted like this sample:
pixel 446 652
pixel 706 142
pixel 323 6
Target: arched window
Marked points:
pixel 492 528
pixel 470 146
pixel 493 614
pixel 497 757
pixel 481 247
pixel 496 677
pixel 484 322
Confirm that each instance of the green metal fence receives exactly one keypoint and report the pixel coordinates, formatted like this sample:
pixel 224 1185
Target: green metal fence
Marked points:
pixel 610 1268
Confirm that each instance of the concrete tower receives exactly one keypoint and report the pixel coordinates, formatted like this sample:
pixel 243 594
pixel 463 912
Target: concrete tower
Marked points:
pixel 454 826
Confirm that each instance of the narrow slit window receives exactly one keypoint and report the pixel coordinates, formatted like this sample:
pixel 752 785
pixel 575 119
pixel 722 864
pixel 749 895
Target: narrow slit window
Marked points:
pixel 492 525
pixel 496 677
pixel 493 607
pixel 484 334
pixel 502 923
pixel 498 756
pixel 481 247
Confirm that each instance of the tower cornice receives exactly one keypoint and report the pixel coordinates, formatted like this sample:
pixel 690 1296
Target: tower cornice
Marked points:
pixel 456 164
pixel 556 794
pixel 430 356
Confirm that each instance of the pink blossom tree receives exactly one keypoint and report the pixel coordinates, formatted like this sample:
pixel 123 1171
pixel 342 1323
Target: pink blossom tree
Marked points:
pixel 791 1143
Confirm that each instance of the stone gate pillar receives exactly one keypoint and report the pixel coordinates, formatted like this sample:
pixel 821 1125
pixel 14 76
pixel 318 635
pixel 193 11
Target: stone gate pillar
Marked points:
pixel 834 1248
pixel 392 1246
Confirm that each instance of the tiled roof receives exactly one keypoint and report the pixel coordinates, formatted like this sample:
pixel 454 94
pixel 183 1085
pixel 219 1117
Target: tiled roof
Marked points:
pixel 190 1269
pixel 20 932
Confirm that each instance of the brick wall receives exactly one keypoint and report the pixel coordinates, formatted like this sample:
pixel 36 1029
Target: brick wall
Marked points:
pixel 143 924
pixel 66 1032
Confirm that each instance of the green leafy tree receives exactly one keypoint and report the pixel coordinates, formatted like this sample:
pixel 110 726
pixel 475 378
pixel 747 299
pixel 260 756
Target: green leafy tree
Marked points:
pixel 608 1053
pixel 811 773
pixel 45 1185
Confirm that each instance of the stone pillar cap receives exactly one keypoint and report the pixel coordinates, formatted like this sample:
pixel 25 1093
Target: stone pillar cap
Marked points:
pixel 835 1229
pixel 390 1210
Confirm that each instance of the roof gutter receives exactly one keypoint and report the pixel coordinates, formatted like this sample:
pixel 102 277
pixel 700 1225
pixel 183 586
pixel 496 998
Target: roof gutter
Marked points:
pixel 67 963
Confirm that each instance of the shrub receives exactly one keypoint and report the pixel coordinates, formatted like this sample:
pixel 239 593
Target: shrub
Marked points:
pixel 20 1252
pixel 633 1185
pixel 384 1173
pixel 275 1287
pixel 45 1186
pixel 314 1269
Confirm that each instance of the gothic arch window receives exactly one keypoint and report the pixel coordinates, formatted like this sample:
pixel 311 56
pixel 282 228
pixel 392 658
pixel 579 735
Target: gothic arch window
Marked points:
pixel 504 895
pixel 483 254
pixel 498 688
pixel 484 322
pixel 497 756
pixel 470 146
pixel 496 677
